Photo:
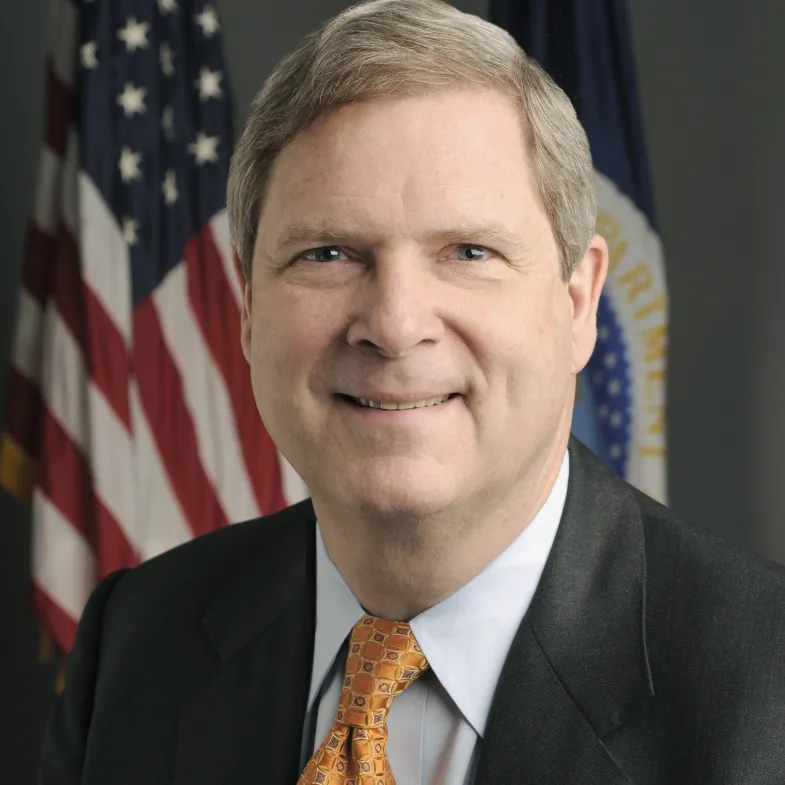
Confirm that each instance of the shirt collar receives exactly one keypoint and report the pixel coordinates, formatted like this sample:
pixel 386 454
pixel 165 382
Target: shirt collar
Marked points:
pixel 465 637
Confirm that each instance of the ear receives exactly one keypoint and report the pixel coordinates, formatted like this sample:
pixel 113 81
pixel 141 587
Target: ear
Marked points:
pixel 585 285
pixel 245 323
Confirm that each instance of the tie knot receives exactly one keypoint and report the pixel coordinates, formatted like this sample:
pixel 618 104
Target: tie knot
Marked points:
pixel 384 659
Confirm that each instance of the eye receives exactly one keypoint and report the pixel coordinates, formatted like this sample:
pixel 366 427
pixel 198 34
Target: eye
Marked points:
pixel 474 252
pixel 323 254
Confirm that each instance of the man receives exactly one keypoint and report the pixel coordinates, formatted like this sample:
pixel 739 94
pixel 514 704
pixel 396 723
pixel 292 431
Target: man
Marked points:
pixel 469 596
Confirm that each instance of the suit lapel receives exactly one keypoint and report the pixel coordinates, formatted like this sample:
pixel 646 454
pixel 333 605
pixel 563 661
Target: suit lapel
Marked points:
pixel 247 716
pixel 578 663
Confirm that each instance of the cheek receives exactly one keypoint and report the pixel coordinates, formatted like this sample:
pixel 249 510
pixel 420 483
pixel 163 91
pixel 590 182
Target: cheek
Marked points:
pixel 537 353
pixel 290 336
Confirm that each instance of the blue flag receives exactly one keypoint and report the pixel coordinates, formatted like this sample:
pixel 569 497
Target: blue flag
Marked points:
pixel 620 407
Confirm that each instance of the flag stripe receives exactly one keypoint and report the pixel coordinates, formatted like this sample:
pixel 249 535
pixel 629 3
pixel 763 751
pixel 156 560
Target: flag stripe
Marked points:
pixel 64 477
pixel 27 347
pixel 68 288
pixel 23 413
pixel 64 379
pixel 63 565
pixel 46 210
pixel 163 401
pixel 100 241
pixel 110 362
pixel 160 519
pixel 112 462
pixel 215 307
pixel 40 252
pixel 206 397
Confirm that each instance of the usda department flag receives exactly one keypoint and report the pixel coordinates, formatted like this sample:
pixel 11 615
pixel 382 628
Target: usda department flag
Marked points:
pixel 620 412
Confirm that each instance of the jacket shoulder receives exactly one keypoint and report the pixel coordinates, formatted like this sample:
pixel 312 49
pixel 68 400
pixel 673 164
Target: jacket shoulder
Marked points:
pixel 712 607
pixel 195 572
pixel 697 551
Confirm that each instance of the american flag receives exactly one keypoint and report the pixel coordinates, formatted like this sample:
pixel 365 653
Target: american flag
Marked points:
pixel 130 424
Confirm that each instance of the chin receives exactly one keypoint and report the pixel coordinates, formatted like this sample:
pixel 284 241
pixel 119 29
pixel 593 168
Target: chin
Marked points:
pixel 399 494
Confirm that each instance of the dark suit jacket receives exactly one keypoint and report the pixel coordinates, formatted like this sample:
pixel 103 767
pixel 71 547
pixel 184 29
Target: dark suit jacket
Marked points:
pixel 651 653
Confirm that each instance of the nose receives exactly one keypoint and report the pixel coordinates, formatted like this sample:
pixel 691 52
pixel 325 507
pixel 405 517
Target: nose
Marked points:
pixel 397 308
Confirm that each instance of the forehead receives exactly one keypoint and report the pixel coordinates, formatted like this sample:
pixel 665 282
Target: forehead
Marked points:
pixel 458 154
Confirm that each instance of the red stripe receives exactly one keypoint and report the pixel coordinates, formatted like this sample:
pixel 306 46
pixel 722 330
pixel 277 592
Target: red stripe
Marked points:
pixel 54 618
pixel 59 116
pixel 215 308
pixel 38 262
pixel 112 548
pixel 24 409
pixel 109 361
pixel 163 401
pixel 65 478
pixel 68 288
pixel 54 264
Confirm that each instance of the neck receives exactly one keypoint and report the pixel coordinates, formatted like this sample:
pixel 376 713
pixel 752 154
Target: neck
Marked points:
pixel 398 569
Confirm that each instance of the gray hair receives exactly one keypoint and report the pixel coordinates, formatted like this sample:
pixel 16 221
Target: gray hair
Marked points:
pixel 391 48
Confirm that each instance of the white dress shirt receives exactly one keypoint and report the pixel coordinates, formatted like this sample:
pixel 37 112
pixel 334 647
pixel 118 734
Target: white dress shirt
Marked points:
pixel 434 724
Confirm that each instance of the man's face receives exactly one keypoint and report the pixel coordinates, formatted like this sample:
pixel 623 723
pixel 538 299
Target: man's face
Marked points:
pixel 404 256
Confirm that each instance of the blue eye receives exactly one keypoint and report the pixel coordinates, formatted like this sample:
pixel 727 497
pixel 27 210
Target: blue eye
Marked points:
pixel 313 254
pixel 474 249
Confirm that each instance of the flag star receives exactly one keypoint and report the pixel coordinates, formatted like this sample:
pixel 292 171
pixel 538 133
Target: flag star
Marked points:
pixel 603 412
pixel 134 34
pixel 611 360
pixel 614 388
pixel 209 84
pixel 167 123
pixel 167 59
pixel 167 5
pixel 129 164
pixel 88 51
pixel 615 420
pixel 208 21
pixel 603 333
pixel 169 187
pixel 204 148
pixel 132 100
pixel 615 451
pixel 130 228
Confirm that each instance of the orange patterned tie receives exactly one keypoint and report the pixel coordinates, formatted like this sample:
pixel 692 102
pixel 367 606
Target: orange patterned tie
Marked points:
pixel 383 660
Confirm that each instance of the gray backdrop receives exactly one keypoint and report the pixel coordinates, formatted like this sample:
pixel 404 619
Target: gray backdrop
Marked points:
pixel 712 79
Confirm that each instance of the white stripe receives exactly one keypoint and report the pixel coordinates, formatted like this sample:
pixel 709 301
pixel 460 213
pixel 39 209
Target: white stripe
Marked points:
pixel 63 40
pixel 206 397
pixel 47 208
pixel 64 377
pixel 65 387
pixel 112 463
pixel 63 564
pixel 26 352
pixel 105 264
pixel 294 489
pixel 219 226
pixel 160 520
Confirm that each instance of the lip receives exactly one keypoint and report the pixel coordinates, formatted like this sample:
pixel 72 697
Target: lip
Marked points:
pixel 392 398
pixel 396 414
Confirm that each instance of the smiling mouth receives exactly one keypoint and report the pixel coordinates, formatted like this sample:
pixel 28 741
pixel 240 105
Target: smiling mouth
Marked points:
pixel 391 405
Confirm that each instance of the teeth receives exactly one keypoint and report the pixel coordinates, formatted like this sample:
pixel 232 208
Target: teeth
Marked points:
pixel 412 405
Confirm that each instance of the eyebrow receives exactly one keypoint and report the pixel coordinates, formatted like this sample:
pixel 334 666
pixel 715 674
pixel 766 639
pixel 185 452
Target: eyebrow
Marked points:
pixel 328 234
